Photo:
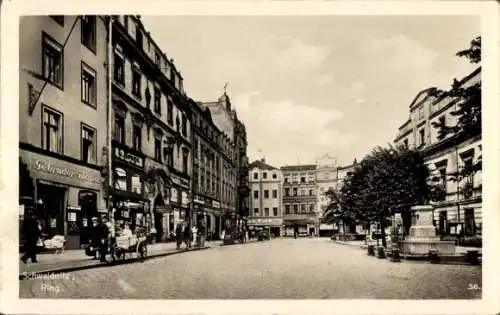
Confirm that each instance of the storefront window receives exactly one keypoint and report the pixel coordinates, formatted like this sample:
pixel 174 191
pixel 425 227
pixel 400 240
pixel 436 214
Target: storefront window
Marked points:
pixel 120 179
pixel 136 184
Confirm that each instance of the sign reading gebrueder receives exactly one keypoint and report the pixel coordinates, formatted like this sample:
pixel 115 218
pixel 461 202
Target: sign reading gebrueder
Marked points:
pixel 65 171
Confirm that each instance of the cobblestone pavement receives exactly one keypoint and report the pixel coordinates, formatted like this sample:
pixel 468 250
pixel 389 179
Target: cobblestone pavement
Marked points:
pixel 276 269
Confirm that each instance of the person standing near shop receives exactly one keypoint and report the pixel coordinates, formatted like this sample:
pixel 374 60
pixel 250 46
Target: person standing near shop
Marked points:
pixel 202 232
pixel 103 233
pixel 95 239
pixel 31 233
pixel 194 231
pixel 188 236
pixel 178 235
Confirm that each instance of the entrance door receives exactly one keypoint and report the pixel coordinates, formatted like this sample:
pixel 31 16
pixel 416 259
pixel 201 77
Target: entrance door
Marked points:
pixel 53 207
pixel 469 222
pixel 159 226
pixel 88 204
pixel 443 226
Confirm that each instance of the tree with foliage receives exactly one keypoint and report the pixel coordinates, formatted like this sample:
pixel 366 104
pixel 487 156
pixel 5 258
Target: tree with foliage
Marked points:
pixel 387 181
pixel 467 98
pixel 468 113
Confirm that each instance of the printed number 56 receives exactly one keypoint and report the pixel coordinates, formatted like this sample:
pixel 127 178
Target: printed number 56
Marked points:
pixel 473 286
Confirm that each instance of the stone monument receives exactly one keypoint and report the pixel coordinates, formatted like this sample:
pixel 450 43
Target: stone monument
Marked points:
pixel 423 235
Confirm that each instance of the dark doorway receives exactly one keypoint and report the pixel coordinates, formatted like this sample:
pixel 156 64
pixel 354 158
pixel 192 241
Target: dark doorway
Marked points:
pixel 52 199
pixel 82 227
pixel 159 204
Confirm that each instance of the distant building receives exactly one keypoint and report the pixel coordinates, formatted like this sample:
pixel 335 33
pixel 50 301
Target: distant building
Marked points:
pixel 300 199
pixel 212 154
pixel 266 196
pixel 226 120
pixel 460 210
pixel 326 179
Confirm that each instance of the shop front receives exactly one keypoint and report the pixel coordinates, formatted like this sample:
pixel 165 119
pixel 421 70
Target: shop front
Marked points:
pixel 129 204
pixel 179 198
pixel 208 210
pixel 66 195
pixel 157 190
pixel 272 225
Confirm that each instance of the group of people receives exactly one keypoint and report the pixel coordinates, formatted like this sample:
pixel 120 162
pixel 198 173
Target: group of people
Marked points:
pixel 101 232
pixel 196 234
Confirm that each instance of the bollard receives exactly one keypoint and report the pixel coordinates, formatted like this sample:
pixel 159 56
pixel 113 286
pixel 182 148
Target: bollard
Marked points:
pixel 472 257
pixel 395 255
pixel 434 256
pixel 380 252
pixel 371 250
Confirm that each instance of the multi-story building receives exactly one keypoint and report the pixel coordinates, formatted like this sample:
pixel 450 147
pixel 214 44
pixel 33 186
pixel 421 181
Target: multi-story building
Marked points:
pixel 151 142
pixel 266 197
pixel 62 119
pixel 326 179
pixel 212 153
pixel 243 189
pixel 460 208
pixel 300 199
pixel 225 119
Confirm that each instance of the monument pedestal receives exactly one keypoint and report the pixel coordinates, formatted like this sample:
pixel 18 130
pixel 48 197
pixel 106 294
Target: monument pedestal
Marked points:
pixel 423 236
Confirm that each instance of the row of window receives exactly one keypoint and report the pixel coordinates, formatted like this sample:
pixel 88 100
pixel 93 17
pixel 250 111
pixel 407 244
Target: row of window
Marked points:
pixel 310 180
pixel 264 175
pixel 266 194
pixel 52 136
pixel 214 135
pixel 295 192
pixel 256 212
pixel 159 59
pixel 304 208
pixel 421 134
pixel 53 63
pixel 162 154
pixel 119 77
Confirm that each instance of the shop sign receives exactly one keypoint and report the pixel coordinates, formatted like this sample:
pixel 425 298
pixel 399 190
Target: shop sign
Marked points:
pixel 180 181
pixel 264 221
pixel 129 157
pixel 161 209
pixel 199 200
pixel 65 172
pixel 215 204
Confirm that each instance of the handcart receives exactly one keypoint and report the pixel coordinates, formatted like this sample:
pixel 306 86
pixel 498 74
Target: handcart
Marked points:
pixel 129 244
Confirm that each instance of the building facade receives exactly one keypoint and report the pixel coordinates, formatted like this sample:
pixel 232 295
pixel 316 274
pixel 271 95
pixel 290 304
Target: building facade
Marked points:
pixel 459 211
pixel 265 183
pixel 300 200
pixel 326 179
pixel 227 122
pixel 211 181
pixel 62 119
pixel 151 133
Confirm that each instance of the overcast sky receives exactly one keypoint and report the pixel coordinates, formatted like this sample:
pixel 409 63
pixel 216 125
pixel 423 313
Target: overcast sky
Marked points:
pixel 306 86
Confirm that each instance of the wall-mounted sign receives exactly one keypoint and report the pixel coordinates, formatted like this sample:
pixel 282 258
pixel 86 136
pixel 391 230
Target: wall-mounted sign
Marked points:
pixel 72 216
pixel 179 181
pixel 65 172
pixel 199 200
pixel 129 157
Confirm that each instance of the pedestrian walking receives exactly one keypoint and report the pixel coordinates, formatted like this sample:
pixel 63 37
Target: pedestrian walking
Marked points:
pixel 194 231
pixel 178 235
pixel 31 233
pixel 103 233
pixel 188 236
pixel 202 232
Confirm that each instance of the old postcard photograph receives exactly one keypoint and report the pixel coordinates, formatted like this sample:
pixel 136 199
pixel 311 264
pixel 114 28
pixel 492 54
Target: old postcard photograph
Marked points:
pixel 167 157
